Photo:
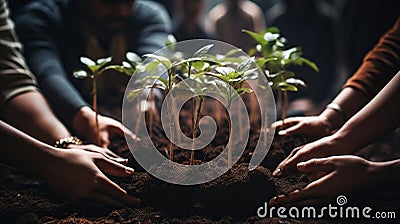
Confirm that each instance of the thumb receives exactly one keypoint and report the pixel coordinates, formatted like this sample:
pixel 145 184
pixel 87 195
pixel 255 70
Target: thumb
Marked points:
pixel 114 168
pixel 316 165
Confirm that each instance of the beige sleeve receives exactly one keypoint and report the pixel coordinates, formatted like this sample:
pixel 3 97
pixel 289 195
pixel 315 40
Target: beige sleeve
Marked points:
pixel 15 77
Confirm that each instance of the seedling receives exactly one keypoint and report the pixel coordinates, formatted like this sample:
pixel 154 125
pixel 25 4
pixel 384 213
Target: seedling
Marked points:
pixel 95 69
pixel 275 61
pixel 228 84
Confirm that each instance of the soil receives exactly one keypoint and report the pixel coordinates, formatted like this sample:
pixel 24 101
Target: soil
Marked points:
pixel 232 198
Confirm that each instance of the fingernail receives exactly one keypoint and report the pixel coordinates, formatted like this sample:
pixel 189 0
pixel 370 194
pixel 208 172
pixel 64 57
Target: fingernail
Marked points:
pixel 282 132
pixel 129 170
pixel 301 164
pixel 277 172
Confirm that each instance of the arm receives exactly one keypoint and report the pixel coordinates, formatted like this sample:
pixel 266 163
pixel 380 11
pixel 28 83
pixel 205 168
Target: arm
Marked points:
pixel 21 104
pixel 378 67
pixel 152 23
pixel 39 28
pixel 340 175
pixel 81 169
pixel 377 118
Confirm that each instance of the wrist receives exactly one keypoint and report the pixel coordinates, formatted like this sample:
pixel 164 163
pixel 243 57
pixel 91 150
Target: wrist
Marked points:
pixel 333 118
pixel 82 120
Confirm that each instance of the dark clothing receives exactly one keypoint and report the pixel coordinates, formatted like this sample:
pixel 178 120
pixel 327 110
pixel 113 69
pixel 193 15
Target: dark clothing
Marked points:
pixel 380 65
pixel 15 77
pixel 313 31
pixel 181 33
pixel 53 45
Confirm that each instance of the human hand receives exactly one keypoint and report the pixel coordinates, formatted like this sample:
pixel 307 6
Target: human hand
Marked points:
pixel 324 147
pixel 84 125
pixel 330 177
pixel 313 127
pixel 78 174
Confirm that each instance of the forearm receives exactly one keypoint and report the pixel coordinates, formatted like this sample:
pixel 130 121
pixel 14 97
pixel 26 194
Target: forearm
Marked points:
pixel 24 152
pixel 351 101
pixel 30 113
pixel 377 118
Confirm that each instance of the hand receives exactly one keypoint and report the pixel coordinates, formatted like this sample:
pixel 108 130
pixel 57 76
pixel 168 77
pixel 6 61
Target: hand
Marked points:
pixel 84 125
pixel 77 174
pixel 104 151
pixel 324 147
pixel 313 127
pixel 331 177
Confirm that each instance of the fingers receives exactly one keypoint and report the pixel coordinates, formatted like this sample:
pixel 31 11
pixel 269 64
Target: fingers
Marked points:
pixel 288 122
pixel 288 165
pixel 114 168
pixel 295 129
pixel 103 151
pixel 316 165
pixel 314 193
pixel 112 190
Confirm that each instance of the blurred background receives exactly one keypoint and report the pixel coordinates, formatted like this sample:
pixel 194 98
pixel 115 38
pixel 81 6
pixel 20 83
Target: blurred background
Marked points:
pixel 335 34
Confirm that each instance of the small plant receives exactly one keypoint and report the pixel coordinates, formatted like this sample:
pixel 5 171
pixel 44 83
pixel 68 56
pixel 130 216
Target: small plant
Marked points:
pixel 96 68
pixel 275 61
pixel 229 86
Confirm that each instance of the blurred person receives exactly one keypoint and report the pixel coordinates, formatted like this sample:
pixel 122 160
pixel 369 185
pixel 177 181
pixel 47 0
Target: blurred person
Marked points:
pixel 226 21
pixel 189 21
pixel 307 25
pixel 24 107
pixel 55 34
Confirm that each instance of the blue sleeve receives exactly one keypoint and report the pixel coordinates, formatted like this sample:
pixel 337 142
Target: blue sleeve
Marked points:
pixel 37 27
pixel 152 26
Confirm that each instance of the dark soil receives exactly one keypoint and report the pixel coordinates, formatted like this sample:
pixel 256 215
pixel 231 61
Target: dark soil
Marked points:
pixel 232 198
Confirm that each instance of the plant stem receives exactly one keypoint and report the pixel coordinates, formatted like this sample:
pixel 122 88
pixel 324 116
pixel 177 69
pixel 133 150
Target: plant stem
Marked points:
pixel 94 92
pixel 171 129
pixel 229 142
pixel 151 100
pixel 195 127
pixel 285 107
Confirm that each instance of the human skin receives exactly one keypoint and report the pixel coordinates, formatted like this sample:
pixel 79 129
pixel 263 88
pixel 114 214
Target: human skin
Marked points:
pixel 346 174
pixel 82 167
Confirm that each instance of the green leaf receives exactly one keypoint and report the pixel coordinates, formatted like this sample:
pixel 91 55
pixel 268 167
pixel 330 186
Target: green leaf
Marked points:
pixel 251 74
pixel 150 67
pixel 102 61
pixel 170 43
pixel 296 82
pixel 87 61
pixel 257 37
pixel 202 51
pixel 232 52
pixel 200 65
pixel 272 29
pixel 133 58
pixel 224 70
pixel 165 61
pixel 301 60
pixel 262 61
pixel 269 37
pixel 81 74
pixel 241 91
pixel 156 77
pixel 287 87
pixel 134 93
pixel 246 64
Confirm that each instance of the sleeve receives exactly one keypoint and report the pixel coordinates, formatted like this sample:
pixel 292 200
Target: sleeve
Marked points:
pixel 154 25
pixel 15 77
pixel 39 29
pixel 379 66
